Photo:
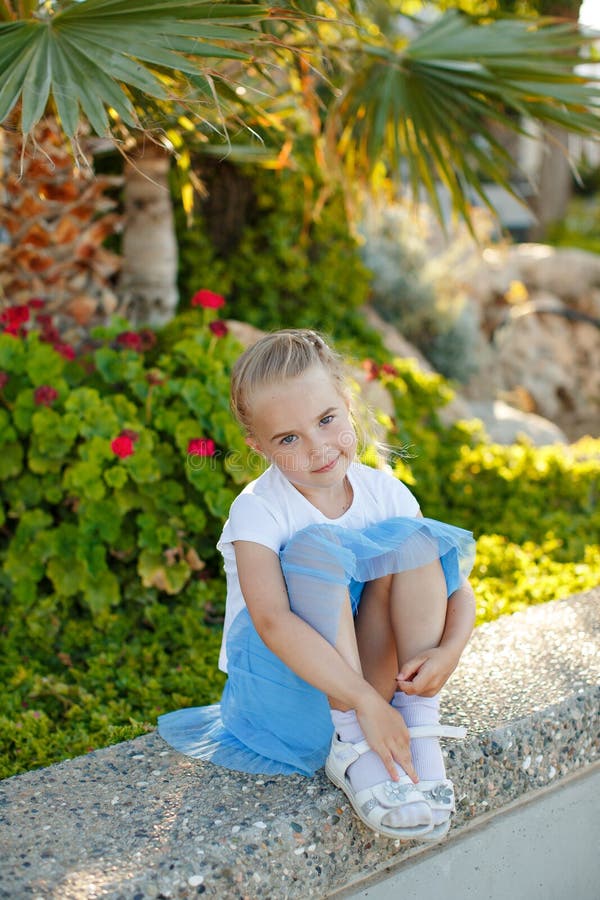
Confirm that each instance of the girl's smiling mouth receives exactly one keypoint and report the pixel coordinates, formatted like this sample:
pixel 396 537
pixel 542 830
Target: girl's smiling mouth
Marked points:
pixel 326 468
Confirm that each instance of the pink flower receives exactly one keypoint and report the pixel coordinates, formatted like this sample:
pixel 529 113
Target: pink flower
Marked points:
pixel 122 446
pixel 65 350
pixel 218 328
pixel 207 299
pixel 201 447
pixel 389 369
pixel 45 395
pixel 131 340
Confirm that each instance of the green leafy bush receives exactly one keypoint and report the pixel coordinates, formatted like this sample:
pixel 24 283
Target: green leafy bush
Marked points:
pixel 279 263
pixel 117 470
pixel 532 509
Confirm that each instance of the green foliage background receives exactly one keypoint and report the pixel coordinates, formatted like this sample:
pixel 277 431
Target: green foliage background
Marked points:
pixel 279 259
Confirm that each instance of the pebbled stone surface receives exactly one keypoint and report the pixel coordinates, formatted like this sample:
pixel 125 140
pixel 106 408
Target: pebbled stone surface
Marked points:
pixel 137 821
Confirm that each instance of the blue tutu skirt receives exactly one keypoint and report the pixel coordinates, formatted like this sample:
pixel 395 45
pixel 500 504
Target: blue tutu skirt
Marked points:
pixel 269 720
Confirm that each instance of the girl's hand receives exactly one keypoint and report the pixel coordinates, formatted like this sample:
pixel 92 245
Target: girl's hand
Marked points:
pixel 426 673
pixel 386 733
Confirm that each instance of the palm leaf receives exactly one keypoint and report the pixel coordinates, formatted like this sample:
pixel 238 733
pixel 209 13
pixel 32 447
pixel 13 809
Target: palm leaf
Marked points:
pixel 431 103
pixel 88 56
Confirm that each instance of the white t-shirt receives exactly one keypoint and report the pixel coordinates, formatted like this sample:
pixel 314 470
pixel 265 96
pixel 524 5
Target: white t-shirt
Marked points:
pixel 270 510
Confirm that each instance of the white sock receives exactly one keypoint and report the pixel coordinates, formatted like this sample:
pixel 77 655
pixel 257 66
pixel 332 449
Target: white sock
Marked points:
pixel 369 770
pixel 426 752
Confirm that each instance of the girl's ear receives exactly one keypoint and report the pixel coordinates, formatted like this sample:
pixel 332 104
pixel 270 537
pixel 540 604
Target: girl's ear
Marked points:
pixel 252 443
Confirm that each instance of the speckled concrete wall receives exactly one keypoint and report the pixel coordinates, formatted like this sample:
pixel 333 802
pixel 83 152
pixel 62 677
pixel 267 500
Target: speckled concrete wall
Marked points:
pixel 138 821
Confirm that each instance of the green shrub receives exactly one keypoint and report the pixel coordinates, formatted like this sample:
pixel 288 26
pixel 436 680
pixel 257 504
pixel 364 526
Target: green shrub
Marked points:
pixel 117 471
pixel 533 509
pixel 284 265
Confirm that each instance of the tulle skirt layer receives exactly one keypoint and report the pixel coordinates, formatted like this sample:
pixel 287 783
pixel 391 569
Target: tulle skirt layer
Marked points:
pixel 269 720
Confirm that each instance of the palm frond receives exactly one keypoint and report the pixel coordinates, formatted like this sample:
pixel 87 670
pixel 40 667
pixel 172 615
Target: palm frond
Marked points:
pixel 430 107
pixel 88 56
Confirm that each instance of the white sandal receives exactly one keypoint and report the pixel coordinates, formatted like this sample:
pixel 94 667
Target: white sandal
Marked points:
pixel 372 804
pixel 439 795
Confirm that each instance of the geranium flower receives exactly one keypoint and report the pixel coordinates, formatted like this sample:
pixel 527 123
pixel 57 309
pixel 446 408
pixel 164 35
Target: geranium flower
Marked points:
pixel 207 299
pixel 148 338
pixel 130 433
pixel 218 328
pixel 14 316
pixel 201 447
pixel 371 369
pixel 131 340
pixel 45 395
pixel 65 350
pixel 122 446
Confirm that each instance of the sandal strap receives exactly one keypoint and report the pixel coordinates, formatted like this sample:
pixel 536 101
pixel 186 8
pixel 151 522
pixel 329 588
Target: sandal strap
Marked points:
pixel 439 794
pixel 440 731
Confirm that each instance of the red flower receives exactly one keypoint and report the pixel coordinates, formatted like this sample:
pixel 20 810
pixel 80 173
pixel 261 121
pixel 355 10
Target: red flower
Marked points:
pixel 35 303
pixel 201 447
pixel 122 446
pixel 4 378
pixel 49 332
pixel 148 338
pixel 208 299
pixel 218 328
pixel 14 330
pixel 389 369
pixel 371 369
pixel 14 316
pixel 131 340
pixel 65 350
pixel 130 433
pixel 45 395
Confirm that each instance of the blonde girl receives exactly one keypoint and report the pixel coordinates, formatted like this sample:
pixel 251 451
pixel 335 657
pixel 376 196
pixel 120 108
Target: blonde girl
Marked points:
pixel 346 613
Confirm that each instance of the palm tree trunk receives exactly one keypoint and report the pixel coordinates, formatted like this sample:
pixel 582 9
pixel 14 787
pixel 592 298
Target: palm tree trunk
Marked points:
pixel 555 179
pixel 147 285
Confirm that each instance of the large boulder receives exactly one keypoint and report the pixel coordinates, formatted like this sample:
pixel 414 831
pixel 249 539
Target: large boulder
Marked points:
pixel 539 309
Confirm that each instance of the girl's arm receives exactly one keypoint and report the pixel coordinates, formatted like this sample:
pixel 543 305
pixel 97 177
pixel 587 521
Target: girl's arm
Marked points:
pixel 313 658
pixel 426 673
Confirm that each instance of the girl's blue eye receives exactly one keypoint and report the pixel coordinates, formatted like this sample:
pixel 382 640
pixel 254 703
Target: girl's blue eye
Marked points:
pixel 288 439
pixel 326 420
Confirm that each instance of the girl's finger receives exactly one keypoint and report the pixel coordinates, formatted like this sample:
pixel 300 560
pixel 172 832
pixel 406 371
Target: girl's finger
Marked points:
pixel 410 668
pixel 390 764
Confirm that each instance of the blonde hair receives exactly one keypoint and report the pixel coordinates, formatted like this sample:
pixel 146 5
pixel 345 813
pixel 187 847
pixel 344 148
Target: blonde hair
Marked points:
pixel 278 356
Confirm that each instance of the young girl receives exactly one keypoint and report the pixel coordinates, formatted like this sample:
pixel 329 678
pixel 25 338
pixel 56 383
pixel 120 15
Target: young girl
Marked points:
pixel 347 611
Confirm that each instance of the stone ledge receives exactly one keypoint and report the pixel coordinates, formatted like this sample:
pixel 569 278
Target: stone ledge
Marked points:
pixel 138 821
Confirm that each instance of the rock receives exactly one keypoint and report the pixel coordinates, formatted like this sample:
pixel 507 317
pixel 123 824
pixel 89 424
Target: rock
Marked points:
pixel 394 341
pixel 505 424
pixel 243 332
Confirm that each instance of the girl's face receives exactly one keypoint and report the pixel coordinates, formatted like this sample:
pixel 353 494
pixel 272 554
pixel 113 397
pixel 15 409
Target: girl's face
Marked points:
pixel 303 426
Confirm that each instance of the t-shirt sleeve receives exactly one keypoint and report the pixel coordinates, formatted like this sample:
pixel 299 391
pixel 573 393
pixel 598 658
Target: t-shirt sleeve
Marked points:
pixel 250 519
pixel 397 499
